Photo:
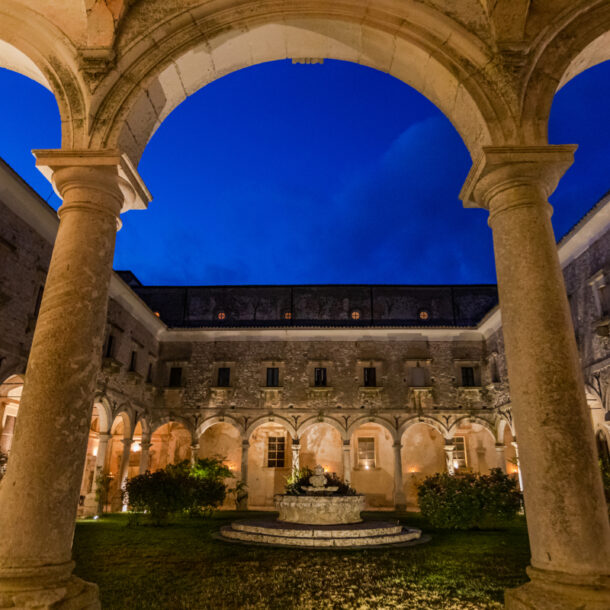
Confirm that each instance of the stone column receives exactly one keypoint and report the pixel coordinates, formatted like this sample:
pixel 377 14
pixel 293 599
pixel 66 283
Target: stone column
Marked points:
pixel 296 451
pixel 93 506
pixel 400 500
pixel 566 512
pixel 117 501
pixel 514 444
pixel 347 462
pixel 145 444
pixel 39 495
pixel 449 455
pixel 500 457
pixel 245 445
pixel 6 439
pixel 194 453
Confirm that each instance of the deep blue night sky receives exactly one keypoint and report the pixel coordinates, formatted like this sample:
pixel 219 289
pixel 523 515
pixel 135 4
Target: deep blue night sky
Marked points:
pixel 334 173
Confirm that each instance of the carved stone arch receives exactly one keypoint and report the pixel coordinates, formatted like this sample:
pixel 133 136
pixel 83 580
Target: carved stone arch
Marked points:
pixel 126 413
pixel 312 421
pixel 10 381
pixel 429 421
pixel 219 419
pixel 372 419
pixel 474 419
pixel 434 55
pixel 104 413
pixel 174 419
pixel 273 419
pixel 575 41
pixel 501 423
pixel 34 47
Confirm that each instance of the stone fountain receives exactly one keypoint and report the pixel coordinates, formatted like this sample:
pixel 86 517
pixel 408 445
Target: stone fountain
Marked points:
pixel 320 518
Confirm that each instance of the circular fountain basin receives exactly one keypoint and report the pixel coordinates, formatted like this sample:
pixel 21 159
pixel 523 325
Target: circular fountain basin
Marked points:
pixel 319 510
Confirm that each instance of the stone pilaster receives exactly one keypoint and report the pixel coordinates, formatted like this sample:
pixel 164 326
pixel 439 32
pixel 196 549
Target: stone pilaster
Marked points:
pixel 93 506
pixel 566 511
pixel 347 462
pixel 6 438
pixel 500 457
pixel 245 446
pixel 449 456
pixel 39 495
pixel 400 500
pixel 145 444
pixel 296 451
pixel 194 452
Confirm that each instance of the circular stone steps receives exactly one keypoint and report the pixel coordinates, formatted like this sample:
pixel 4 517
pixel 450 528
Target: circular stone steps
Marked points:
pixel 357 535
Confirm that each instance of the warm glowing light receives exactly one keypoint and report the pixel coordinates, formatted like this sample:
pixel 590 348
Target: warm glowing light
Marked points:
pixel 96 517
pixel 456 464
pixel 157 314
pixel 412 469
pixel 95 451
pixel 124 509
pixel 366 466
pixel 135 446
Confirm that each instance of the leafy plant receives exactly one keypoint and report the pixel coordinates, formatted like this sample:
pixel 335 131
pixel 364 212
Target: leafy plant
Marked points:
pixel 469 501
pixel 299 478
pixel 194 488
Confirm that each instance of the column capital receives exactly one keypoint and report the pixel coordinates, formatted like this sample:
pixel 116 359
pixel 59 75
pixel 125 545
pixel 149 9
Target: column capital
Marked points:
pixel 500 167
pixel 347 444
pixel 397 445
pixel 127 442
pixel 500 446
pixel 245 444
pixel 108 163
pixel 146 445
pixel 104 437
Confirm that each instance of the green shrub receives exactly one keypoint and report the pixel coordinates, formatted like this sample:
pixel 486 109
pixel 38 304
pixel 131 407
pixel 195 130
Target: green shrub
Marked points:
pixel 299 478
pixel 469 501
pixel 196 489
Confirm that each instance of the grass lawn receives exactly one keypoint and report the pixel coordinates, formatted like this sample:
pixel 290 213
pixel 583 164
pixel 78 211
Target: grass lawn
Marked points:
pixel 182 566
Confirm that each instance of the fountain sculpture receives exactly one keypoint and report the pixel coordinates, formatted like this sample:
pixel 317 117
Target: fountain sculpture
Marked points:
pixel 320 517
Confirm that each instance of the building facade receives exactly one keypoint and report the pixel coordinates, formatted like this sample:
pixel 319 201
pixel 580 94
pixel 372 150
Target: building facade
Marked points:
pixel 383 385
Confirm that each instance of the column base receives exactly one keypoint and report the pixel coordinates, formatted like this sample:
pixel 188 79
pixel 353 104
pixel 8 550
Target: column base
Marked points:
pixel 559 591
pixel 46 588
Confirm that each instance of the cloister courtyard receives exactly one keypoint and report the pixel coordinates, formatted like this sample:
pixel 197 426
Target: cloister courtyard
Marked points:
pixel 305 320
pixel 184 566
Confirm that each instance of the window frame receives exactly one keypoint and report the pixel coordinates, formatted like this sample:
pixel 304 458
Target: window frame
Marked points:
pixel 171 381
pixel 220 373
pixel 274 377
pixel 366 456
pixel 276 452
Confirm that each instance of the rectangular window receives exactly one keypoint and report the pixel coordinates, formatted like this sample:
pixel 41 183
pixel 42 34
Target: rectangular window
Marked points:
pixel 273 377
pixel 109 351
pixel 370 377
pixel 149 373
pixel 276 452
pixel 319 377
pixel 133 362
pixel 459 453
pixel 175 377
pixel 224 376
pixel 468 380
pixel 366 453
pixel 418 377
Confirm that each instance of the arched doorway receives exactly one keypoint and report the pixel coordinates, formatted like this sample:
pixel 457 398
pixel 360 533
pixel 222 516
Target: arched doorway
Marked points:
pixel 223 440
pixel 423 454
pixel 269 463
pixel 171 444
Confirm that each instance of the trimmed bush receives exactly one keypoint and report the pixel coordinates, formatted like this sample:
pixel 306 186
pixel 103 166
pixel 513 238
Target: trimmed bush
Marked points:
pixel 469 501
pixel 196 489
